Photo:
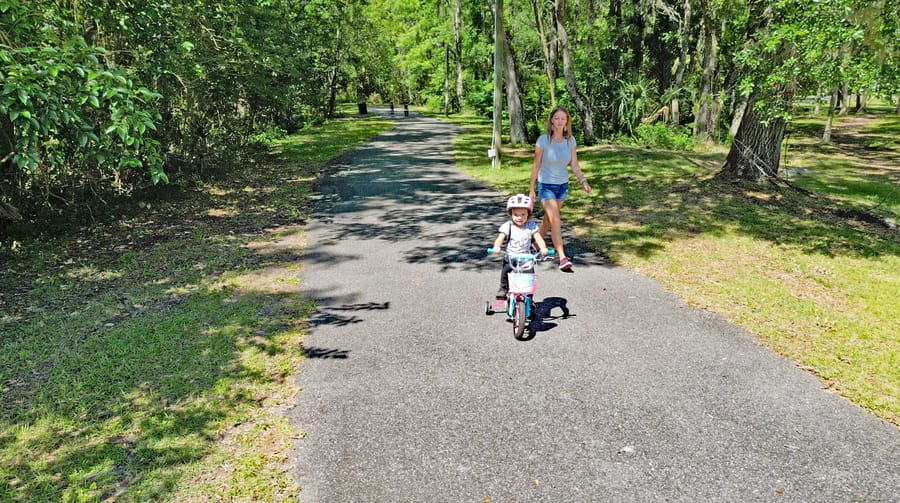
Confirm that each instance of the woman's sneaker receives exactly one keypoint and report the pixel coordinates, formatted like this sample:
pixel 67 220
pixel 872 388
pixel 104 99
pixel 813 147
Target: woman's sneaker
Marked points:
pixel 501 293
pixel 565 264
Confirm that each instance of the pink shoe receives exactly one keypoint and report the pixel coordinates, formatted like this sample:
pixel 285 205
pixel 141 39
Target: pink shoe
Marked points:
pixel 565 264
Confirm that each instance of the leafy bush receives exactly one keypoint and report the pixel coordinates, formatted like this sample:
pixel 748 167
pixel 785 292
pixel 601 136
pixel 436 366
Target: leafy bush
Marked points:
pixel 481 98
pixel 664 137
pixel 267 137
pixel 632 101
pixel 64 112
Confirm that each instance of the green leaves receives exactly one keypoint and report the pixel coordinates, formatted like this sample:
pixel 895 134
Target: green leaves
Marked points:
pixel 56 97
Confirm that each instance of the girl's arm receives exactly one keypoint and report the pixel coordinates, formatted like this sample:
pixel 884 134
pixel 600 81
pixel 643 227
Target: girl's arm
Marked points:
pixel 498 243
pixel 541 242
pixel 576 168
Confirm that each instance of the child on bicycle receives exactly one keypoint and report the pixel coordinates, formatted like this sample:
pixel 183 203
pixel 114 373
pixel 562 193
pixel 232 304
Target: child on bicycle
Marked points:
pixel 521 232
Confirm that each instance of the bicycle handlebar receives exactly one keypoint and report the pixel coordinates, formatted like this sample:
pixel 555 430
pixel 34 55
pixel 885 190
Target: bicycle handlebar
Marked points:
pixel 526 256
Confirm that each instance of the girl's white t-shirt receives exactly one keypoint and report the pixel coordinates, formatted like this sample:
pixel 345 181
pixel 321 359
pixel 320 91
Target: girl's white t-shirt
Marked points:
pixel 519 238
pixel 555 160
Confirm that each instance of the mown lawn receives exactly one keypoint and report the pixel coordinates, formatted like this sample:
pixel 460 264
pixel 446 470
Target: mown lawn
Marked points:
pixel 150 356
pixel 816 277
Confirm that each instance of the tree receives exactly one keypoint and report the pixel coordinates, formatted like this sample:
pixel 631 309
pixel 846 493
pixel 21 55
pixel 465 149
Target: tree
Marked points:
pixel 457 54
pixel 581 103
pixel 793 46
pixel 708 104
pixel 71 122
pixel 888 57
pixel 548 49
pixel 756 148
pixel 683 20
pixel 517 133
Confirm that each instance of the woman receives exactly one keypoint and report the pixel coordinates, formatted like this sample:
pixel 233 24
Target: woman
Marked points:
pixel 553 153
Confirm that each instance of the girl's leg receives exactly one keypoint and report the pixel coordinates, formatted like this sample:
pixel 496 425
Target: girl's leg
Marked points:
pixel 504 280
pixel 552 221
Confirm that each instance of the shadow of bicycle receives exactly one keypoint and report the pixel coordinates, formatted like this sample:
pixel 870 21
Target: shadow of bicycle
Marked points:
pixel 544 316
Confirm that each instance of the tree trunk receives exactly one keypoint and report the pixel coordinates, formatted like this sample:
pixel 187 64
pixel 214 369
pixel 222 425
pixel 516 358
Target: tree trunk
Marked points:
pixel 708 104
pixel 580 102
pixel 684 35
pixel 549 61
pixel 738 115
pixel 517 132
pixel 818 98
pixel 613 56
pixel 845 99
pixel 589 39
pixel 457 49
pixel 832 104
pixel 829 121
pixel 446 80
pixel 332 93
pixel 9 213
pixel 760 16
pixel 615 13
pixel 554 45
pixel 756 149
pixel 496 137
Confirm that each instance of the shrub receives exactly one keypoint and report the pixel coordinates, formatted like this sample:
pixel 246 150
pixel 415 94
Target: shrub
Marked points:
pixel 664 137
pixel 481 98
pixel 265 138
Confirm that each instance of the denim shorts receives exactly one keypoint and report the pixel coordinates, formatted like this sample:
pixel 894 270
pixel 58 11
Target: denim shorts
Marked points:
pixel 548 191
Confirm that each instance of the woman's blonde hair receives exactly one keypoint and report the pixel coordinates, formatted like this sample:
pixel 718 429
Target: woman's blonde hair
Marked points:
pixel 567 131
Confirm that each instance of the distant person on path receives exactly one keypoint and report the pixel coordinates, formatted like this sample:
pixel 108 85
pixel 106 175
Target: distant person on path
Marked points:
pixel 553 153
pixel 521 231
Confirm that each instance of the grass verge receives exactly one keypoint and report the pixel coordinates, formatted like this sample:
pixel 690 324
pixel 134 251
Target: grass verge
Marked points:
pixel 815 277
pixel 151 357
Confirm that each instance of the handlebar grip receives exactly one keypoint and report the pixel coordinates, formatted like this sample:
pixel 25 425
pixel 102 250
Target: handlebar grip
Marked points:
pixel 551 252
pixel 490 251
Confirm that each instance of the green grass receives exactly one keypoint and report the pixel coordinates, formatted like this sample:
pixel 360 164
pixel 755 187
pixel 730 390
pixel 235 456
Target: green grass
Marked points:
pixel 859 165
pixel 815 277
pixel 146 357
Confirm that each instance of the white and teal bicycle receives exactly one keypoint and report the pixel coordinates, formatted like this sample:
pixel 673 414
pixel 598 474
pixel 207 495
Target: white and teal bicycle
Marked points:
pixel 519 302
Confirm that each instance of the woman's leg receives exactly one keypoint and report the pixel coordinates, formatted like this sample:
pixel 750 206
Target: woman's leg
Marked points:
pixel 552 222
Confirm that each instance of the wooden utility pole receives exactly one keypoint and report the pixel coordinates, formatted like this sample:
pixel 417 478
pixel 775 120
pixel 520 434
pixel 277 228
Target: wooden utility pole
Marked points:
pixel 496 141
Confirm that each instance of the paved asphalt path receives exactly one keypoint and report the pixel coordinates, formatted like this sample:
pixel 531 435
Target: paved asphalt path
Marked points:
pixel 411 393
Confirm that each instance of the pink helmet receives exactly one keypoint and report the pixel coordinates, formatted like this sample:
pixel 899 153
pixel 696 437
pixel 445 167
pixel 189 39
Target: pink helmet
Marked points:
pixel 520 201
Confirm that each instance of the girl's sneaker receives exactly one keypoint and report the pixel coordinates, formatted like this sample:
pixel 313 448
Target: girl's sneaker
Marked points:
pixel 565 264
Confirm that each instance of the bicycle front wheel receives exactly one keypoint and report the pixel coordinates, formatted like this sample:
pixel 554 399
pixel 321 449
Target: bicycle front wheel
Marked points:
pixel 519 319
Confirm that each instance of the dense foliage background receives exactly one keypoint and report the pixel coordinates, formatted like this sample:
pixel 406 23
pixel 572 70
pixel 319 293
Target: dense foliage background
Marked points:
pixel 101 99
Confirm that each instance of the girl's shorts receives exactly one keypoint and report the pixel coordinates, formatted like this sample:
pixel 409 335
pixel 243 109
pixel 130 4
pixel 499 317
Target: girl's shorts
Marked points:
pixel 548 191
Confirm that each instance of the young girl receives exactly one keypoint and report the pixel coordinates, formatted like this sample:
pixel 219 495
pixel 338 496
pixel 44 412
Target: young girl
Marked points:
pixel 521 231
pixel 555 150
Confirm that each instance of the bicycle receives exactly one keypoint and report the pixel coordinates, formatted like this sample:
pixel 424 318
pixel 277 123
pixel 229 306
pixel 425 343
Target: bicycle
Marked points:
pixel 519 301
